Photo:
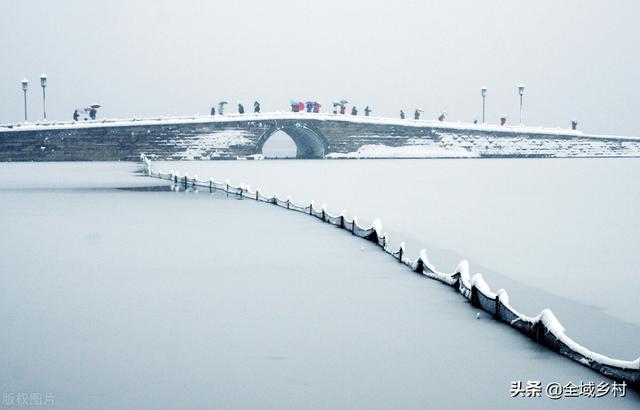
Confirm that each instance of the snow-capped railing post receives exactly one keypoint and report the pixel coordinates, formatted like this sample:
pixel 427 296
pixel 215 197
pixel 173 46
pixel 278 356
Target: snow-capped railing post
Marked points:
pixel 185 182
pixel 210 186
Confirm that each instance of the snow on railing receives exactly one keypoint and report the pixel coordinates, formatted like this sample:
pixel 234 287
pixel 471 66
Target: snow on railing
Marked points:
pixel 543 328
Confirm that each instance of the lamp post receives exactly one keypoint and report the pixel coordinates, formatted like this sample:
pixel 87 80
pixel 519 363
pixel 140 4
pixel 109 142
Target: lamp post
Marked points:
pixel 483 92
pixel 521 92
pixel 25 87
pixel 43 83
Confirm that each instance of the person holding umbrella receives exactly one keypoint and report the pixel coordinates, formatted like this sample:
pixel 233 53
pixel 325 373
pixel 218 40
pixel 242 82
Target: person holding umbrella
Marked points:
pixel 343 106
pixel 93 111
pixel 416 114
pixel 221 107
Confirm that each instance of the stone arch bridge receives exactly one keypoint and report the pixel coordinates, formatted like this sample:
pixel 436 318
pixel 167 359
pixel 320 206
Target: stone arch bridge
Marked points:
pixel 315 136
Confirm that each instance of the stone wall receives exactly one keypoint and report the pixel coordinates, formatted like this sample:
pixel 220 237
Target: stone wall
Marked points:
pixel 316 136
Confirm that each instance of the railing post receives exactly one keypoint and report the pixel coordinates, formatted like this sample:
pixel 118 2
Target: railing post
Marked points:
pixel 210 186
pixel 353 226
pixel 257 190
pixel 400 255
pixel 341 221
pixel 323 214
pixel 185 182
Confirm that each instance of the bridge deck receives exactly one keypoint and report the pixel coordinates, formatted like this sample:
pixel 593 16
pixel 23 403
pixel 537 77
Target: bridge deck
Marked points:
pixel 315 135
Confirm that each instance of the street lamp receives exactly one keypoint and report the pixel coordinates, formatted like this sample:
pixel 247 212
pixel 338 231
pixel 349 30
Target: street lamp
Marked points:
pixel 521 92
pixel 25 87
pixel 483 91
pixel 43 83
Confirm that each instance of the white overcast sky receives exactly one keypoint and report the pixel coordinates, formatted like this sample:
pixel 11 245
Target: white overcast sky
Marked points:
pixel 578 59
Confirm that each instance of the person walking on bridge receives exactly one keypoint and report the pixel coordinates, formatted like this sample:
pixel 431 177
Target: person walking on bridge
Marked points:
pixel 240 108
pixel 401 115
pixel 256 107
pixel 367 111
pixel 221 107
pixel 316 107
pixel 416 114
pixel 76 115
pixel 354 110
pixel 213 111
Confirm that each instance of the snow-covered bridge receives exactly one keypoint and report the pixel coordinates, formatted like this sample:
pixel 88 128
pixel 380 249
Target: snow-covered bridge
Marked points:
pixel 315 136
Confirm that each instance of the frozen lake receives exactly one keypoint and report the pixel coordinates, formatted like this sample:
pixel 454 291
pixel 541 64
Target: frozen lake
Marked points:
pixel 555 233
pixel 120 293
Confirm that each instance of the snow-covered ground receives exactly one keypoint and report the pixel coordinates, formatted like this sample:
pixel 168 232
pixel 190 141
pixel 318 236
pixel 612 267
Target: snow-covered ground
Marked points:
pixel 123 298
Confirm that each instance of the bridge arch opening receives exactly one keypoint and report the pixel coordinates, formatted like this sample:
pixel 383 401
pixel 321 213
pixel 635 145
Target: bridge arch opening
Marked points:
pixel 308 143
pixel 279 145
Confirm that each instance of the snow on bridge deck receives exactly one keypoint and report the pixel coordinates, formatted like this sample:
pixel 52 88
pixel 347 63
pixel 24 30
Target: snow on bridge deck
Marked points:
pixel 315 135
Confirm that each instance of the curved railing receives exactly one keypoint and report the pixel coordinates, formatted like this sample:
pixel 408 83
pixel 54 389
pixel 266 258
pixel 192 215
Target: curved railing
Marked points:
pixel 543 328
